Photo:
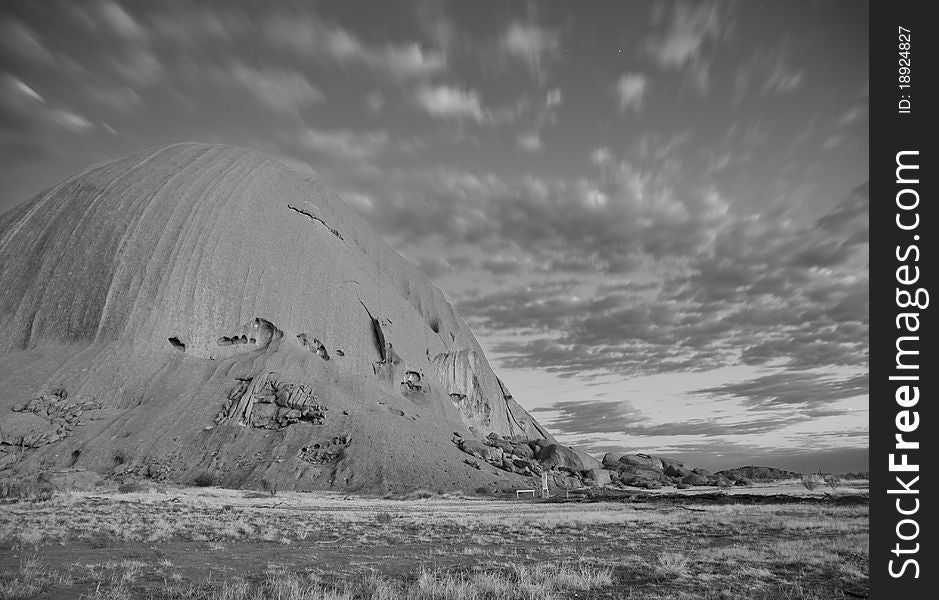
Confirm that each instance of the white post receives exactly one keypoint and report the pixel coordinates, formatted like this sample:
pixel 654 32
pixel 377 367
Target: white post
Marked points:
pixel 544 484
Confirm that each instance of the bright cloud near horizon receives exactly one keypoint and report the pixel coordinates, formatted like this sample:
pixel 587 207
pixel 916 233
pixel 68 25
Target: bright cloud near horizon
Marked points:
pixel 654 216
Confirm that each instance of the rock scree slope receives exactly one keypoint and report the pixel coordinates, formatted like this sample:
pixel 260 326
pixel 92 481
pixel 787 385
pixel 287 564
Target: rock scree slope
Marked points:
pixel 200 308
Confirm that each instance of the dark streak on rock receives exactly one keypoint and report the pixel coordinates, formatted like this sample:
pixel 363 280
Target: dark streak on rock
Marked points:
pixel 315 218
pixel 376 329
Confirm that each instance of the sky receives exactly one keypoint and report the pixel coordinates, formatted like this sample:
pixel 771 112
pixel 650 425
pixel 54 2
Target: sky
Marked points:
pixel 654 216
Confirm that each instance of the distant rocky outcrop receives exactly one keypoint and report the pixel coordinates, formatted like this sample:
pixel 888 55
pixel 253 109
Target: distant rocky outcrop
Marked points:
pixel 652 472
pixel 758 474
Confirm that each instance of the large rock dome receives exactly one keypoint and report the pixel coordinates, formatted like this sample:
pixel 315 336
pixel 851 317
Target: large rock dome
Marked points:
pixel 200 307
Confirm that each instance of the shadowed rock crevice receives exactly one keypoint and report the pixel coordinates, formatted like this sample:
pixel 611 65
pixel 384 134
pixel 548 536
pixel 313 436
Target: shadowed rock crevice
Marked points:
pixel 329 451
pixel 413 383
pixel 315 346
pixel 377 333
pixel 259 333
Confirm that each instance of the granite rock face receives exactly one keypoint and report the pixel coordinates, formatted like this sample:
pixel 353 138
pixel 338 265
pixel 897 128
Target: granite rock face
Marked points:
pixel 218 312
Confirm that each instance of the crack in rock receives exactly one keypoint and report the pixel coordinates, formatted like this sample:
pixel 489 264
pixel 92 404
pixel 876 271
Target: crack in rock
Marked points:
pixel 315 218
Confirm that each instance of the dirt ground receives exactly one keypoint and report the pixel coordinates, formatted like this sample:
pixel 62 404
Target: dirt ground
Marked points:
pixel 217 543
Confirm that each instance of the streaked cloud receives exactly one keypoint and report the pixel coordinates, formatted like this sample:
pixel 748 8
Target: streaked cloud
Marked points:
pixel 601 156
pixel 535 46
pixel 115 19
pixel 448 102
pixel 792 390
pixel 284 90
pixel 117 98
pixel 139 66
pixel 344 143
pixel 768 72
pixel 584 417
pixel 70 120
pixel 689 31
pixel 310 36
pixel 630 90
pixel 17 85
pixel 19 39
pixel 689 28
pixel 530 142
pixel 853 115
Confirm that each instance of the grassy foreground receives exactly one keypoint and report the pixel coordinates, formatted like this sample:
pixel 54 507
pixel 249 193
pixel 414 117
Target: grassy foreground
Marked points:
pixel 233 545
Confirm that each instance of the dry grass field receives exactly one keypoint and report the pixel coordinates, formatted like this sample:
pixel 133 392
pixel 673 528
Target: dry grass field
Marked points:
pixel 183 543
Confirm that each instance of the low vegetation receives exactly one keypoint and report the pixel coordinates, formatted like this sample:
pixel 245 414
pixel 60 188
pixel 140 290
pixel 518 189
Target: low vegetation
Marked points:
pixel 226 544
pixel 204 479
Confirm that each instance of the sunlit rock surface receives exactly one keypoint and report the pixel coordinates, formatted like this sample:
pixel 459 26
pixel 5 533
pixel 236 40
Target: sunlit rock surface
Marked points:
pixel 222 314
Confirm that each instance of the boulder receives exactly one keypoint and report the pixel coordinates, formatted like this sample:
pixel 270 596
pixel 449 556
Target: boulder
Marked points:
pixel 643 472
pixel 474 448
pixel 523 463
pixel 694 479
pixel 640 482
pixel 676 469
pixel 641 460
pixel 481 450
pixel 498 443
pixel 556 455
pixel 744 481
pixel 265 416
pixel 704 472
pixel 522 451
pixel 611 460
pixel 669 461
pixel 599 477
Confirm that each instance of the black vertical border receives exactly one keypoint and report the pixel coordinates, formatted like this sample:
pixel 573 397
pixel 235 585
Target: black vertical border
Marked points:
pixel 893 132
